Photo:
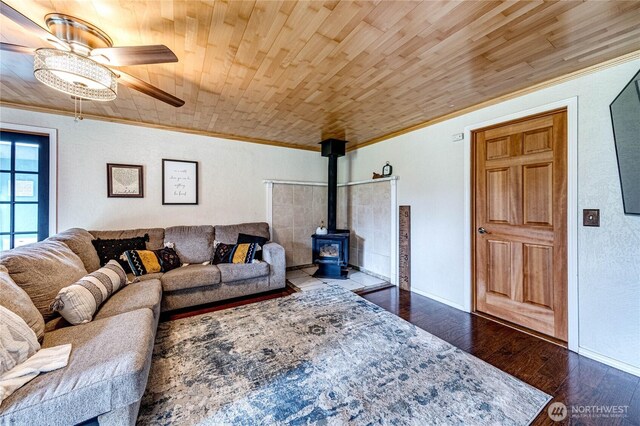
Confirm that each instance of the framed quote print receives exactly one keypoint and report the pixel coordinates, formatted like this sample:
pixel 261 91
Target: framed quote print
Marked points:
pixel 124 181
pixel 179 182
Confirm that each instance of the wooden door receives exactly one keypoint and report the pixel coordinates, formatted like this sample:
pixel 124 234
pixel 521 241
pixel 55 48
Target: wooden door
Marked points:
pixel 520 209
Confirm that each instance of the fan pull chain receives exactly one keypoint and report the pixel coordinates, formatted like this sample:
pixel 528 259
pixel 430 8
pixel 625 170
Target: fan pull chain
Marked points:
pixel 77 109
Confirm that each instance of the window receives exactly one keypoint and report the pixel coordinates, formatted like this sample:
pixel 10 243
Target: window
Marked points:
pixel 24 189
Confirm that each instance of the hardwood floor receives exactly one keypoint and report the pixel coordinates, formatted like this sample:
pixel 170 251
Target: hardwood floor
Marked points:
pixel 567 376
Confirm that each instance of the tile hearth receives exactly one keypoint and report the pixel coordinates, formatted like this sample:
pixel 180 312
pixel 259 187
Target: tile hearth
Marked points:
pixel 302 279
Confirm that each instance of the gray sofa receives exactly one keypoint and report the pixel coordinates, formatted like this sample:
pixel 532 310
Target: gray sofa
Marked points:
pixel 109 364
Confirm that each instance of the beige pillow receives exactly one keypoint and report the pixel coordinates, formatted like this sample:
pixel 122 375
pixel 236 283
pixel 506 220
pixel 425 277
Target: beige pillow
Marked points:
pixel 17 340
pixel 42 269
pixel 79 302
pixel 17 301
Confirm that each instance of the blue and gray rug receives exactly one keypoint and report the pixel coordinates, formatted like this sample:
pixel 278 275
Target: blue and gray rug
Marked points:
pixel 323 357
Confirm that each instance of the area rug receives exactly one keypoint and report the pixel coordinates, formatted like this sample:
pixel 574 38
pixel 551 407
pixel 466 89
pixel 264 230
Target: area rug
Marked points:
pixel 325 356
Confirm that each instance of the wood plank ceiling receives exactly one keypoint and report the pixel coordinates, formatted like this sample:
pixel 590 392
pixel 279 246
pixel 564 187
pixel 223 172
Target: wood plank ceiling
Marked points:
pixel 296 72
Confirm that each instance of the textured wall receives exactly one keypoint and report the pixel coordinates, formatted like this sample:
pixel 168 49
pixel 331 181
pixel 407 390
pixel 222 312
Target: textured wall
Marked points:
pixel 364 209
pixel 368 215
pixel 432 182
pixel 297 212
pixel 230 173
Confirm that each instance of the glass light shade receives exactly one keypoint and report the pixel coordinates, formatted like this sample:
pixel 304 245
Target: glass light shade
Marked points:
pixel 75 75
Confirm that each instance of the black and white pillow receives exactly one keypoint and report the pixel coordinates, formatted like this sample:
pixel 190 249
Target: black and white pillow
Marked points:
pixel 260 241
pixel 112 249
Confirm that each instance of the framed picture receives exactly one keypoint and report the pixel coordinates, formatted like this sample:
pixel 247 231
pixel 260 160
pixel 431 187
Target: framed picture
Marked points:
pixel 124 181
pixel 179 182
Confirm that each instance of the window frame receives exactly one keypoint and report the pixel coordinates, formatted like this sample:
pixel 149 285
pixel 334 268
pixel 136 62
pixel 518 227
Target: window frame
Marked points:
pixel 51 201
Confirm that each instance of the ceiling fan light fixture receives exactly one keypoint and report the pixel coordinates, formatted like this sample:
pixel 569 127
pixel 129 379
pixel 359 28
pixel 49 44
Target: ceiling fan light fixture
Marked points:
pixel 75 75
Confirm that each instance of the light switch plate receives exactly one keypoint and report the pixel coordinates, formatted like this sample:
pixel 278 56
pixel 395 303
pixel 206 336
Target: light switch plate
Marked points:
pixel 591 217
pixel 457 137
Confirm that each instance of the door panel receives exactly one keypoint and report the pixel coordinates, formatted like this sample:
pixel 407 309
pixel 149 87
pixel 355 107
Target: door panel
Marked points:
pixel 537 140
pixel 520 201
pixel 499 271
pixel 498 200
pixel 538 194
pixel 538 275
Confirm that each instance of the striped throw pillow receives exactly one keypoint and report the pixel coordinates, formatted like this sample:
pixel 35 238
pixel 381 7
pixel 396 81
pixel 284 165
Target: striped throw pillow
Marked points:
pixel 79 302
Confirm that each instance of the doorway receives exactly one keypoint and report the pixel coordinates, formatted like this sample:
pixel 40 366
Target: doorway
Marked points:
pixel 519 218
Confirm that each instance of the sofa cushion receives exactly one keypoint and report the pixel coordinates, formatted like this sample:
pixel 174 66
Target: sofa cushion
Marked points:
pixel 242 271
pixel 42 270
pixel 194 244
pixel 155 276
pixel 190 276
pixel 79 302
pixel 139 295
pixel 17 301
pixel 79 241
pixel 108 369
pixel 156 236
pixel 229 233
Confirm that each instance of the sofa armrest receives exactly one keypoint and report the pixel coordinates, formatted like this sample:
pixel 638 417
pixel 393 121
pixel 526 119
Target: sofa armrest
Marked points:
pixel 273 254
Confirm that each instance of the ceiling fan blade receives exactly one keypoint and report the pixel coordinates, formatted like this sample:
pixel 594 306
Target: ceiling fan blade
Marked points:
pixel 148 89
pixel 30 25
pixel 8 47
pixel 133 55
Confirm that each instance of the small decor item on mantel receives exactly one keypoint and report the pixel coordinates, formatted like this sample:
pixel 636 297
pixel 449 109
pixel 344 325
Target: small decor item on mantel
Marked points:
pixel 124 181
pixel 321 230
pixel 179 182
pixel 376 176
pixel 387 169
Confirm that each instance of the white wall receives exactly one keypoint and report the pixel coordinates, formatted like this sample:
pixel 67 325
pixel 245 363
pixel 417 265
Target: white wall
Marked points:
pixel 431 171
pixel 230 173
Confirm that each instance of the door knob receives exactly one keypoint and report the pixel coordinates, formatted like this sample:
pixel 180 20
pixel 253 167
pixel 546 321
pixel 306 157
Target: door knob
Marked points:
pixel 481 230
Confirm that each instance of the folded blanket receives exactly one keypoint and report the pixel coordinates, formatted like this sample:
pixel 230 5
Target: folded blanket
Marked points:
pixel 44 360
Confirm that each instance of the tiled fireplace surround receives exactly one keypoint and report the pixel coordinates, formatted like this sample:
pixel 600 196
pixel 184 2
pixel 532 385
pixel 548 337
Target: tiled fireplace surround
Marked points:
pixel 367 208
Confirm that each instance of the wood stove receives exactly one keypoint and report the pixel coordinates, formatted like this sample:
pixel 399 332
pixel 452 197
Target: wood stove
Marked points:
pixel 331 254
pixel 331 250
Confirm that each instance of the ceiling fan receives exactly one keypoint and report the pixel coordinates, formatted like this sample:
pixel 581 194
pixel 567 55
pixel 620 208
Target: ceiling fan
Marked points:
pixel 81 59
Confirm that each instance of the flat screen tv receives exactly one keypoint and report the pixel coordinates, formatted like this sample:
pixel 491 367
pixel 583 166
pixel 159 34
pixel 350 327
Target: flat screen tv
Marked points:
pixel 625 116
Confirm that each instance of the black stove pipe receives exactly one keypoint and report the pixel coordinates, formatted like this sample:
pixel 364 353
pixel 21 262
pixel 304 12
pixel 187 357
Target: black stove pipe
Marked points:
pixel 334 149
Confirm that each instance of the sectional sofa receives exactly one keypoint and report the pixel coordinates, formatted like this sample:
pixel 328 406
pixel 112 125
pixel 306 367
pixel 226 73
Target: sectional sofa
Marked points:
pixel 109 363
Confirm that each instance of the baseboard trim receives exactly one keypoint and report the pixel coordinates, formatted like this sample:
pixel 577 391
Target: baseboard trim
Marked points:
pixel 439 299
pixel 609 361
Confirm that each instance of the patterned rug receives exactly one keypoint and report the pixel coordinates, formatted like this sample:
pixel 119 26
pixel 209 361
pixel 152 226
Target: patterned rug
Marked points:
pixel 323 357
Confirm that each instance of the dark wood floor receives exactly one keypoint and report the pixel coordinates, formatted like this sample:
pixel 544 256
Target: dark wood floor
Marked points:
pixel 567 376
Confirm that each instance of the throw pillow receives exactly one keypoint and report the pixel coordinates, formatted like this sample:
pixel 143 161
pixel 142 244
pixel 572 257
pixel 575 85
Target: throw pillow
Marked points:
pixel 79 302
pixel 142 262
pixel 17 301
pixel 234 253
pixel 17 340
pixel 168 258
pixel 113 249
pixel 222 253
pixel 246 238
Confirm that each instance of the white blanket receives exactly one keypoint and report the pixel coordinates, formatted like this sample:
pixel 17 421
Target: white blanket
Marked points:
pixel 44 360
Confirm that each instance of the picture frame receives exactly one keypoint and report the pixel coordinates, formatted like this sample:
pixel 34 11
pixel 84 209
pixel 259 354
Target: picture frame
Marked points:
pixel 125 181
pixel 179 182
